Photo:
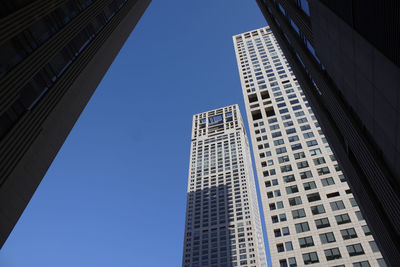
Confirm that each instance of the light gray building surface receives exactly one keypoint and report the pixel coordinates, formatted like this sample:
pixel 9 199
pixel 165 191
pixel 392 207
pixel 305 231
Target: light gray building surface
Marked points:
pixel 223 226
pixel 310 213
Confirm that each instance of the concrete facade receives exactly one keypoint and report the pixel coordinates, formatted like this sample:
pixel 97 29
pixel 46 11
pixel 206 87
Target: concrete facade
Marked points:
pixel 346 57
pixel 310 212
pixel 223 226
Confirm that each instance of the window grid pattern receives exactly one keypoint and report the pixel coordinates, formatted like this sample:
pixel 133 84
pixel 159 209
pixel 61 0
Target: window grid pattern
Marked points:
pixel 223 226
pixel 293 158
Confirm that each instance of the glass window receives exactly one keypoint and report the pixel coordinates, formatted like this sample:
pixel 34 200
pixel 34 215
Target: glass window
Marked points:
pixel 294 201
pixel 381 262
pixel 310 258
pixel 348 233
pixel 337 205
pixel 342 218
pixel 313 197
pixel 322 223
pixel 309 185
pixel 355 250
pixel 300 213
pixel 374 246
pixel 302 227
pixel 332 254
pixel 361 264
pixel 327 181
pixel 327 238
pixel 306 242
pixel 366 230
pixel 319 209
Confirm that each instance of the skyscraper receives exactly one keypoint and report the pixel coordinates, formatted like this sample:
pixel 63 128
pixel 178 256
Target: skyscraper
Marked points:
pixel 346 56
pixel 310 213
pixel 53 56
pixel 223 225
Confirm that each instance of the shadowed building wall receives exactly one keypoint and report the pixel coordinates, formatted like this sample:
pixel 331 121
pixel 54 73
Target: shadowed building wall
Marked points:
pixel 223 226
pixel 53 56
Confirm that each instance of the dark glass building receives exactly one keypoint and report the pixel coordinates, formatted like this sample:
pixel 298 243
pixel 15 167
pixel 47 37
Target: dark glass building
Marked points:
pixel 53 56
pixel 346 56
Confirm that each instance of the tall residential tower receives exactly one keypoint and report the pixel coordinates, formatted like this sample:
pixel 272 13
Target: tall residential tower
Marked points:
pixel 223 225
pixel 350 51
pixel 53 55
pixel 310 213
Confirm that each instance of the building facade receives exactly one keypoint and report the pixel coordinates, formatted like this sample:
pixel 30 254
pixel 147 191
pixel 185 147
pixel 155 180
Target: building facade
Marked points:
pixel 310 212
pixel 53 56
pixel 346 56
pixel 223 226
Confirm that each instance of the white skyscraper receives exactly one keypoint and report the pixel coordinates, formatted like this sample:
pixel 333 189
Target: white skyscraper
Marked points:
pixel 310 213
pixel 223 225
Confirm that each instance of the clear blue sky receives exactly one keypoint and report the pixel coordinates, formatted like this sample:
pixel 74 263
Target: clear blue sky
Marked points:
pixel 115 195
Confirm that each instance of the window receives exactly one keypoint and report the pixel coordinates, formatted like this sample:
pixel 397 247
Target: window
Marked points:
pixel 327 181
pixel 285 231
pixel 296 147
pixel 306 242
pixel 277 232
pixel 280 150
pixel 283 159
pixel 309 185
pixel 292 262
pixel 319 161
pixel 280 248
pixel 308 135
pixel 302 120
pixel 279 142
pixel 327 238
pixel 310 258
pixel 295 201
pixel 305 175
pixel 322 171
pixel 353 202
pixel 355 250
pixel 337 205
pixel 299 155
pixel 302 227
pixel 366 230
pixel 305 127
pixel 315 151
pixel 313 197
pixel 322 223
pixel 373 246
pixel 215 119
pixel 361 264
pixel 302 164
pixel 312 143
pixel 332 254
pixel 288 178
pixel 319 209
pixel 300 213
pixel 342 218
pixel 359 215
pixel 286 168
pixel 283 263
pixel 292 189
pixel 288 246
pixel 348 233
pixel 290 131
pixel 381 262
